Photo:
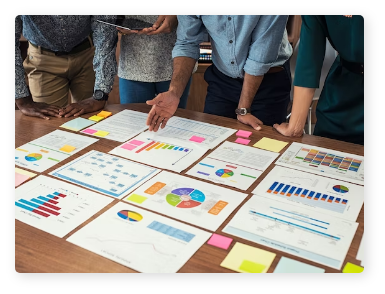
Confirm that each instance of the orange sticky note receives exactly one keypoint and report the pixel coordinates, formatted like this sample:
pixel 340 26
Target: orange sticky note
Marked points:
pixel 67 148
pixel 104 114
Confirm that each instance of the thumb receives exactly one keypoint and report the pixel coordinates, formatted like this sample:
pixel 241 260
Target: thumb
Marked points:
pixel 158 21
pixel 255 125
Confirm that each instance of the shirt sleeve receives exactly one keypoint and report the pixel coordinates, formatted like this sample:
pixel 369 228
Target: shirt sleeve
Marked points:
pixel 105 38
pixel 311 52
pixel 21 88
pixel 266 41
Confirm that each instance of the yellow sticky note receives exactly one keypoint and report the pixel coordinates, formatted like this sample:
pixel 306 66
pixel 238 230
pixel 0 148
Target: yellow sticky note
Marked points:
pixel 270 144
pixel 24 172
pixel 104 114
pixel 101 133
pixel 67 148
pixel 246 259
pixel 352 268
pixel 96 118
pixel 136 198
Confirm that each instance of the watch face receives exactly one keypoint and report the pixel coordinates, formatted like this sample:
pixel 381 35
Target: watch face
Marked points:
pixel 98 95
pixel 243 111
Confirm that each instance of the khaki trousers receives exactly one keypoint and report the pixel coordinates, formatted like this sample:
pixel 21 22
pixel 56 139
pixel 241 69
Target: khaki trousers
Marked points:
pixel 51 77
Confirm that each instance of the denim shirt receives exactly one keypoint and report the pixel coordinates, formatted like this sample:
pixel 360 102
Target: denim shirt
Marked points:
pixel 240 43
pixel 63 33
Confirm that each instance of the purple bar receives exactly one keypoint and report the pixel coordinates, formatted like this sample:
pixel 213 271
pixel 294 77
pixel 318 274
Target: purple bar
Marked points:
pixel 199 172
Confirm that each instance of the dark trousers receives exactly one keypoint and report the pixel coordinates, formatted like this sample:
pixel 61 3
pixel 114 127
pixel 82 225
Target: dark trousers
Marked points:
pixel 269 104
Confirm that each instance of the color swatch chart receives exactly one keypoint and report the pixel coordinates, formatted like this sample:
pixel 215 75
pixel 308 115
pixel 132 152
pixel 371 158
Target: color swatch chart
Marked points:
pixel 140 146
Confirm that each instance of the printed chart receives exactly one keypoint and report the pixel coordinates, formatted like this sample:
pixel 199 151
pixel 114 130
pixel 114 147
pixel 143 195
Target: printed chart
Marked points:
pixel 105 173
pixel 54 206
pixel 316 193
pixel 176 155
pixel 44 152
pixel 189 200
pixel 326 162
pixel 153 244
pixel 233 165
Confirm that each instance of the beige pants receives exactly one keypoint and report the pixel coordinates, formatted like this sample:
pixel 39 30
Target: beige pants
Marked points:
pixel 51 77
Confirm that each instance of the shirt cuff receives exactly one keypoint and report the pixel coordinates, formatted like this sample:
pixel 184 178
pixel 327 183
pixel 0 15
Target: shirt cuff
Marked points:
pixel 255 68
pixel 185 52
pixel 22 93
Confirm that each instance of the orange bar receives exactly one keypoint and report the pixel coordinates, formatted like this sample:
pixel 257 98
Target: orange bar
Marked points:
pixel 159 146
pixel 330 201
pixel 217 208
pixel 155 188
pixel 288 194
pixel 149 148
pixel 269 191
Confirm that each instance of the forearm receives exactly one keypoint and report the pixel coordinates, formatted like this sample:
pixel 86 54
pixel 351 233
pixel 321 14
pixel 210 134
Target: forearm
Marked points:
pixel 301 103
pixel 182 70
pixel 20 102
pixel 249 90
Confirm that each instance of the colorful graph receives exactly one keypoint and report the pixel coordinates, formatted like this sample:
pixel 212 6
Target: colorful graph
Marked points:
pixel 224 173
pixel 185 198
pixel 33 157
pixel 132 216
pixel 42 205
pixel 340 189
pixel 137 146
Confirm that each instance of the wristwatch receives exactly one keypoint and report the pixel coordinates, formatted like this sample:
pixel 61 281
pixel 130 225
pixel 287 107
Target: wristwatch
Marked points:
pixel 99 95
pixel 242 111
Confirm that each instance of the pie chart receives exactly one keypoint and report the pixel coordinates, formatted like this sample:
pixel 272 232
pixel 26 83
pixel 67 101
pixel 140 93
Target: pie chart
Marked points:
pixel 132 216
pixel 340 189
pixel 33 157
pixel 224 173
pixel 185 198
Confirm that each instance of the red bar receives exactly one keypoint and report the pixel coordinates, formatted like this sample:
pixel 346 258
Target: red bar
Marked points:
pixel 53 201
pixel 55 197
pixel 40 212
pixel 234 167
pixel 62 195
pixel 51 206
pixel 146 146
pixel 48 210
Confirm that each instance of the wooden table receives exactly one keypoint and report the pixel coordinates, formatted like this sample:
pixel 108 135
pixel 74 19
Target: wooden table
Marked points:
pixel 38 251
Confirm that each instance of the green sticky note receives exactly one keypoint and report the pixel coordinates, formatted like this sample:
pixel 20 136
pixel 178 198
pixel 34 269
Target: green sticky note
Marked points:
pixel 251 267
pixel 137 198
pixel 352 268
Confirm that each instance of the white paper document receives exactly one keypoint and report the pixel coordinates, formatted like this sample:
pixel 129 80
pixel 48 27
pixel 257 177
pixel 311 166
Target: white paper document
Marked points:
pixel 141 240
pixel 170 153
pixel 46 151
pixel 233 165
pixel 54 206
pixel 202 204
pixel 319 194
pixel 325 162
pixel 203 134
pixel 119 127
pixel 105 173
pixel 310 235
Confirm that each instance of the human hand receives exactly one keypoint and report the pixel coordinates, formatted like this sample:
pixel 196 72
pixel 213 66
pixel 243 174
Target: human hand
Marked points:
pixel 286 130
pixel 85 106
pixel 38 109
pixel 126 32
pixel 164 24
pixel 163 108
pixel 250 120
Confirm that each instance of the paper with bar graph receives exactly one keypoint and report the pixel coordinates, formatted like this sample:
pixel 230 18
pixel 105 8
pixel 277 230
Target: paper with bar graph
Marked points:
pixel 319 194
pixel 325 162
pixel 46 151
pixel 170 153
pixel 202 204
pixel 141 240
pixel 54 206
pixel 233 165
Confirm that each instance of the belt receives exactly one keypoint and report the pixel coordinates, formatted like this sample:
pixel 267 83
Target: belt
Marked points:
pixel 78 48
pixel 355 67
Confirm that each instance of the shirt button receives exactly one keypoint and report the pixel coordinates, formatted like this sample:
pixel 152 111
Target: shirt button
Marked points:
pixel 232 62
pixel 231 41
pixel 229 18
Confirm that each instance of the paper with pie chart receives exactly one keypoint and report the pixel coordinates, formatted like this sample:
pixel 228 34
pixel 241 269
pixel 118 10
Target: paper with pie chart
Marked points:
pixel 141 240
pixel 202 204
pixel 233 165
pixel 46 151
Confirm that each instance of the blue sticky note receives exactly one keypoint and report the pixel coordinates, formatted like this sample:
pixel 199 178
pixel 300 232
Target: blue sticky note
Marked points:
pixel 287 265
pixel 77 124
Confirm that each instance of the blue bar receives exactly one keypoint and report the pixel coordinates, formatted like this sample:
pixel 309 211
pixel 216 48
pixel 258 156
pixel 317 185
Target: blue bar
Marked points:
pixel 286 188
pixel 181 149
pixel 331 198
pixel 298 191
pixel 206 164
pixel 29 203
pixel 292 190
pixel 338 199
pixel 176 148
pixel 318 195
pixel 273 186
pixel 43 198
pixel 24 206
pixel 37 201
pixel 324 196
pixel 51 196
pixel 279 188
pixel 311 193
pixel 305 192
pixel 56 193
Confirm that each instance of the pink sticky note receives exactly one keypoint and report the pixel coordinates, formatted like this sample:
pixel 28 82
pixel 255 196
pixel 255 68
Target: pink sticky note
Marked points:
pixel 244 134
pixel 19 179
pixel 242 141
pixel 128 146
pixel 220 241
pixel 136 142
pixel 197 139
pixel 89 131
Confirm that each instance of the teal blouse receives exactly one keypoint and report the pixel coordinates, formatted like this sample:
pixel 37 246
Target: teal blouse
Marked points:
pixel 340 109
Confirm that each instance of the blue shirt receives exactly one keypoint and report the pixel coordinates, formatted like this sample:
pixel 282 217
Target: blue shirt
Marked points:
pixel 240 43
pixel 63 33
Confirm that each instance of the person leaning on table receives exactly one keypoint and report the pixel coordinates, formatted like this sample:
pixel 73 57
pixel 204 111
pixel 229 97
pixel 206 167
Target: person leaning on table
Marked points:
pixel 249 79
pixel 63 52
pixel 340 109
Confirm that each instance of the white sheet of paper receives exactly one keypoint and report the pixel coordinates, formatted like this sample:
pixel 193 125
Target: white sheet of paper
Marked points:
pixel 105 173
pixel 54 206
pixel 310 235
pixel 171 154
pixel 141 240
pixel 202 204
pixel 325 162
pixel 121 126
pixel 233 165
pixel 44 152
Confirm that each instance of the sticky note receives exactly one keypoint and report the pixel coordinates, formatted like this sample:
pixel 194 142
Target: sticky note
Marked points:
pixel 136 198
pixel 89 131
pixel 24 172
pixel 242 141
pixel 20 178
pixel 128 146
pixel 67 148
pixel 244 134
pixel 96 118
pixel 220 241
pixel 288 265
pixel 104 114
pixel 101 133
pixel 77 124
pixel 136 142
pixel 244 259
pixel 197 139
pixel 352 268
pixel 270 144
